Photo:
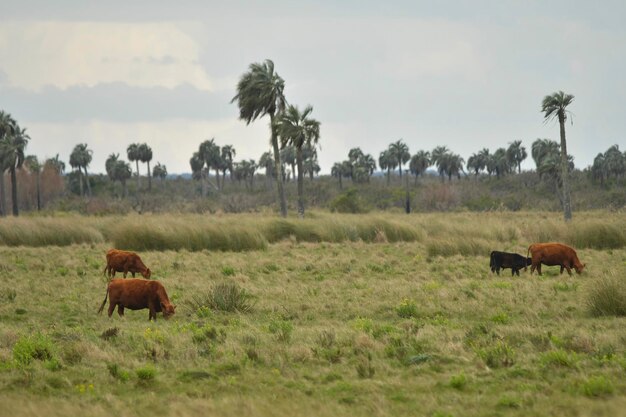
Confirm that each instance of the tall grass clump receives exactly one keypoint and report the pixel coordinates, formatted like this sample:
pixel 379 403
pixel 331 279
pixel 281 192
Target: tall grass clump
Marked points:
pixel 33 347
pixel 607 297
pixel 225 296
pixel 597 235
pixel 463 247
pixel 190 234
pixel 48 232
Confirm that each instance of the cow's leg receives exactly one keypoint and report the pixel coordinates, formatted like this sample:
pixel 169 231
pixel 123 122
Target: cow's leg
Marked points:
pixel 120 310
pixel 133 273
pixel 111 308
pixel 569 271
pixel 539 269
pixel 562 268
pixel 498 270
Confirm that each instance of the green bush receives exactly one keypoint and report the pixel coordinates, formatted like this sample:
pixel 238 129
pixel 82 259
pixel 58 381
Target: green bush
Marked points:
pixel 407 309
pixel 458 381
pixel 607 297
pixel 118 373
pixel 146 373
pixel 226 296
pixel 282 329
pixel 598 386
pixel 500 355
pixel 37 346
pixel 348 202
pixel 559 358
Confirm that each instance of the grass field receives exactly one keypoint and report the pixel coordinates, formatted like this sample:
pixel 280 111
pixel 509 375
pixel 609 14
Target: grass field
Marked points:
pixel 378 315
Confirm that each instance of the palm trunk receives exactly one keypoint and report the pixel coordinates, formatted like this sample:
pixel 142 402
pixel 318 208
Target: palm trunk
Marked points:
pixel 124 189
pixel 3 197
pixel 149 177
pixel 14 191
pixel 340 184
pixel 300 182
pixel 400 169
pixel 217 178
pixel 87 181
pixel 416 179
pixel 388 176
pixel 138 181
pixel 203 182
pixel 223 178
pixel 279 168
pixel 38 192
pixel 567 205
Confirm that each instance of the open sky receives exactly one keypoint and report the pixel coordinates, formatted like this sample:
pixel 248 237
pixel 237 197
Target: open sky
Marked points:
pixel 465 74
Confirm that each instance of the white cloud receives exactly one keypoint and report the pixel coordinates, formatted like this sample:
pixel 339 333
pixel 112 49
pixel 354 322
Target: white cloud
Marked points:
pixel 64 54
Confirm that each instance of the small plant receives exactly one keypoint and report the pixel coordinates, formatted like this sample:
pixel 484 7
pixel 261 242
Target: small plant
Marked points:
pixel 37 346
pixel 228 271
pixel 146 373
pixel 282 329
pixel 109 333
pixel 501 318
pixel 559 358
pixel 458 381
pixel 607 297
pixel 226 296
pixel 500 355
pixel 407 309
pixel 364 368
pixel 598 386
pixel 509 402
pixel 118 373
pixel 326 339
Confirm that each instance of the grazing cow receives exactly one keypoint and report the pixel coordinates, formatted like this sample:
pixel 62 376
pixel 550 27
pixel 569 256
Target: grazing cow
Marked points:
pixel 124 261
pixel 502 260
pixel 137 294
pixel 552 254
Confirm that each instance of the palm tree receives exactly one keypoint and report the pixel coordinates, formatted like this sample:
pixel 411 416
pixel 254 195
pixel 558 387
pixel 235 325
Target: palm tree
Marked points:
pixel 211 154
pixel 555 106
pixel 500 162
pixel 368 163
pixel 228 154
pixel 337 172
pixel 123 172
pixel 386 162
pixel 145 156
pixel 311 165
pixel 400 152
pixel 110 167
pixel 197 170
pixel 438 159
pixel 133 154
pixel 598 169
pixel 57 164
pixel 614 162
pixel 33 165
pixel 260 92
pixel 288 157
pixel 81 158
pixel 266 161
pixel 543 148
pixel 419 163
pixel 299 130
pixel 516 154
pixel 8 128
pixel 160 171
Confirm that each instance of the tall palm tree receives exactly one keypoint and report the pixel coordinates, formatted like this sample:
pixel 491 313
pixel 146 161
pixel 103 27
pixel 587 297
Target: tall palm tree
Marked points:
pixel 34 166
pixel 400 152
pixel 133 154
pixel 57 164
pixel 110 167
pixel 337 172
pixel 8 128
pixel 555 106
pixel 123 173
pixel 516 154
pixel 288 157
pixel 197 170
pixel 386 163
pixel 543 148
pixel 228 155
pixel 419 163
pixel 267 161
pixel 501 162
pixel 299 130
pixel 160 171
pixel 145 156
pixel 12 152
pixel 82 159
pixel 437 158
pixel 211 154
pixel 260 92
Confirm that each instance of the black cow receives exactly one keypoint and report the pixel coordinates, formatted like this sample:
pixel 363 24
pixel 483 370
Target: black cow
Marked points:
pixel 501 260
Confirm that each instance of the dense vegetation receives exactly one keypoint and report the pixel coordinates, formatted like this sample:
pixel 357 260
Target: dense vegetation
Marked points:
pixel 334 314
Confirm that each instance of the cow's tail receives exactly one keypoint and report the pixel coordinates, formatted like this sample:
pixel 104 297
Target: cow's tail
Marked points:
pixel 105 300
pixel 105 270
pixel 526 260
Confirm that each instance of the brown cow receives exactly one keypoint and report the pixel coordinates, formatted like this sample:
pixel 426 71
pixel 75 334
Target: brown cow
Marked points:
pixel 124 261
pixel 137 294
pixel 552 254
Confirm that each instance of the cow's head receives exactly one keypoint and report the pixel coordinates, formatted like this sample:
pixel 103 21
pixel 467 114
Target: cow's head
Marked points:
pixel 168 310
pixel 146 274
pixel 579 267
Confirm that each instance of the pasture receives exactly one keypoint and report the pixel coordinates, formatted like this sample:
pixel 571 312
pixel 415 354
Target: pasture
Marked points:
pixel 340 315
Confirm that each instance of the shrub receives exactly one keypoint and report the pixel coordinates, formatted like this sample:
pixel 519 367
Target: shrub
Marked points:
pixel 226 296
pixel 282 329
pixel 607 297
pixel 559 358
pixel 118 373
pixel 500 355
pixel 348 202
pixel 228 271
pixel 458 381
pixel 37 346
pixel 146 373
pixel 407 309
pixel 364 368
pixel 598 386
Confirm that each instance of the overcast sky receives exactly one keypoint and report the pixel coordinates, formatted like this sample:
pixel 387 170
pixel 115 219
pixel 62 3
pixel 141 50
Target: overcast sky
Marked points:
pixel 465 74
